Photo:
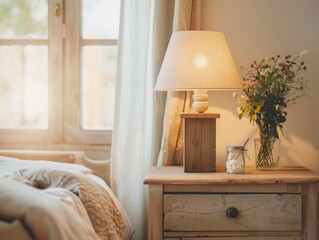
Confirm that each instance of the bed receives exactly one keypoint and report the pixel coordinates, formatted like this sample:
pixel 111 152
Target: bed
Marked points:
pixel 57 200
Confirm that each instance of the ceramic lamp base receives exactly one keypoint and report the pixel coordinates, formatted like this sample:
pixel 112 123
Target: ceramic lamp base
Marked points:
pixel 200 103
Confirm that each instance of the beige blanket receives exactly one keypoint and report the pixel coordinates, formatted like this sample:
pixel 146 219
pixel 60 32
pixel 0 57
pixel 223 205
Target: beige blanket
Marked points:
pixel 59 204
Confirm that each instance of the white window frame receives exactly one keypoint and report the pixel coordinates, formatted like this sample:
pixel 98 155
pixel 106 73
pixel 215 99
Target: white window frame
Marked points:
pixel 73 43
pixel 64 48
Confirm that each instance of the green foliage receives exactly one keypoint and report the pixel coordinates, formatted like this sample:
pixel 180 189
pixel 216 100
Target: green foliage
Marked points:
pixel 21 17
pixel 270 86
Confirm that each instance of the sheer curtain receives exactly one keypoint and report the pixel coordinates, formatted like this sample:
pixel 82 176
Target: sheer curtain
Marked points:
pixel 146 26
pixel 186 17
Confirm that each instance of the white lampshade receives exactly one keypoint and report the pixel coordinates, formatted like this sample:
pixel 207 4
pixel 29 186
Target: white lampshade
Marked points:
pixel 198 60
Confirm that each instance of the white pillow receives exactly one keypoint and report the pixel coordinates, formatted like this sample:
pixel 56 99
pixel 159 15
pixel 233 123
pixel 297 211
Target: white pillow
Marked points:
pixel 9 165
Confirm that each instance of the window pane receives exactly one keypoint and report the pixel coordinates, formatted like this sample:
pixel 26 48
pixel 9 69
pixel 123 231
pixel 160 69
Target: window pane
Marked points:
pixel 98 86
pixel 100 19
pixel 24 19
pixel 24 87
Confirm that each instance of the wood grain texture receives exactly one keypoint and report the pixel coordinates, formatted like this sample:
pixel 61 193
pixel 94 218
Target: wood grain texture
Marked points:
pixel 257 212
pixel 233 234
pixel 246 238
pixel 239 188
pixel 248 192
pixel 176 176
pixel 155 212
pixel 199 150
pixel 310 211
pixel 199 115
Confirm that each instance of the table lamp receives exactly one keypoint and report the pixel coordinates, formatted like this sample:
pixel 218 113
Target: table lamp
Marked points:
pixel 198 61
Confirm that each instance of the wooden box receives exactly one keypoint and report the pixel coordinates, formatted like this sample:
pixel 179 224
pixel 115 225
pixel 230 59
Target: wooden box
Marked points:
pixel 199 150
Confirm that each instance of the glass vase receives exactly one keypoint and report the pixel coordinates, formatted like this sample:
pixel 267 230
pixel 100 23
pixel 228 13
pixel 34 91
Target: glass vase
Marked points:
pixel 267 153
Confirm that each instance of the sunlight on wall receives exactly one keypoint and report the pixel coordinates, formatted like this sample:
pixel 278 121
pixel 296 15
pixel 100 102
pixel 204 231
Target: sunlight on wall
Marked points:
pixel 254 30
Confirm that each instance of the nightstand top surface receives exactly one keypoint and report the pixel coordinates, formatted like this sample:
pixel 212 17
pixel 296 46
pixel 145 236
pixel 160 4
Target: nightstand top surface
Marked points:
pixel 168 175
pixel 199 115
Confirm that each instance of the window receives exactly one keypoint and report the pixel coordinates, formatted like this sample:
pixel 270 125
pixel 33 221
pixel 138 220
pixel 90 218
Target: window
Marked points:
pixel 58 69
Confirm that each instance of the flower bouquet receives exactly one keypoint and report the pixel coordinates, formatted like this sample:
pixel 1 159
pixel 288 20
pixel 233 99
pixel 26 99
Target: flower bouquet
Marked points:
pixel 270 86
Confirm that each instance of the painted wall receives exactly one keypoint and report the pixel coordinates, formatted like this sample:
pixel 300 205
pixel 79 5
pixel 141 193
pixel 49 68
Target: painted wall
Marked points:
pixel 256 29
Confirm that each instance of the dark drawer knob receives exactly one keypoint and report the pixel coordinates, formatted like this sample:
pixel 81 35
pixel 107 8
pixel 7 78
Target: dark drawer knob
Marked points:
pixel 232 212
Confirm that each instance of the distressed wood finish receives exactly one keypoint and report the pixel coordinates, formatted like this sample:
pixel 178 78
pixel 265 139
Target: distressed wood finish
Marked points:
pixel 273 205
pixel 244 238
pixel 255 188
pixel 199 150
pixel 310 211
pixel 155 212
pixel 257 212
pixel 199 115
pixel 237 234
pixel 176 176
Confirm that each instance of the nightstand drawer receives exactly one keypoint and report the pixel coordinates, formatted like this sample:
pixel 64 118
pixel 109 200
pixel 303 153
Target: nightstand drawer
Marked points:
pixel 246 212
pixel 244 238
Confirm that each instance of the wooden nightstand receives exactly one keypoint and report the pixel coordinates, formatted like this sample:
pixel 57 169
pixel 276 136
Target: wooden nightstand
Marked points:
pixel 257 205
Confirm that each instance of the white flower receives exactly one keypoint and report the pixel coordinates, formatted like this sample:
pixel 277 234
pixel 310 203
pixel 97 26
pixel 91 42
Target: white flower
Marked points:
pixel 238 110
pixel 234 166
pixel 303 52
pixel 278 67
